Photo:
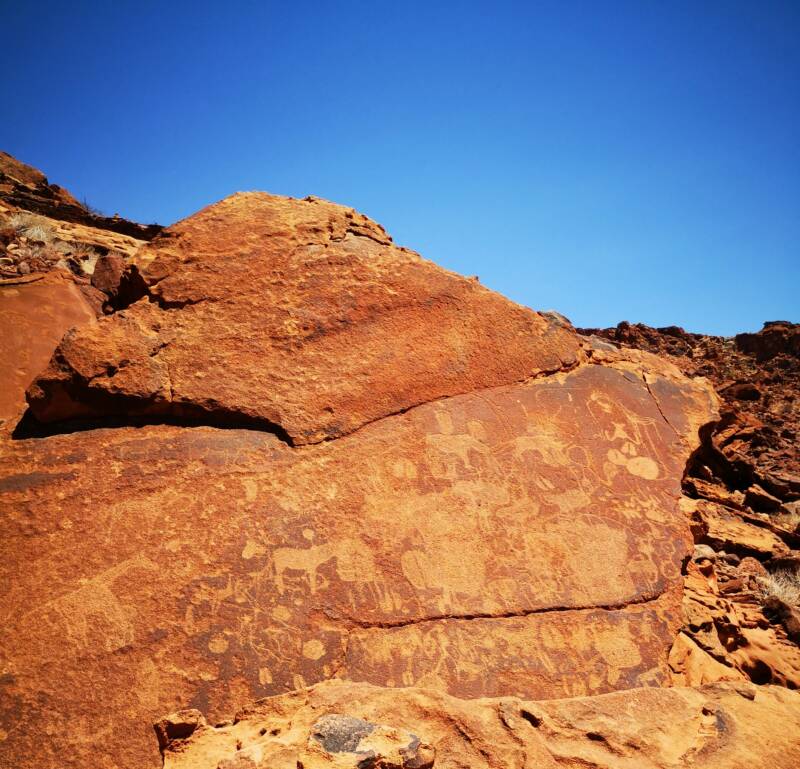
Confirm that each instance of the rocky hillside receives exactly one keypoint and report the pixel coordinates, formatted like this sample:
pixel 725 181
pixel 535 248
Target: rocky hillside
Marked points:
pixel 70 260
pixel 44 228
pixel 327 504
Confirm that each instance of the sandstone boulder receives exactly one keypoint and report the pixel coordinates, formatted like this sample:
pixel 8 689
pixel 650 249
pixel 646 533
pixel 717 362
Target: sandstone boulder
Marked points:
pixel 418 483
pixel 295 315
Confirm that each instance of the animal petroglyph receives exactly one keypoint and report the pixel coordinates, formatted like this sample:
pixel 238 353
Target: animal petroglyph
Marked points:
pixel 91 614
pixel 353 562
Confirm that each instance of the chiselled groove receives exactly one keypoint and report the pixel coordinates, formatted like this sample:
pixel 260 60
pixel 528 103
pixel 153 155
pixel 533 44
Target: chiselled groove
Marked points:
pixel 390 624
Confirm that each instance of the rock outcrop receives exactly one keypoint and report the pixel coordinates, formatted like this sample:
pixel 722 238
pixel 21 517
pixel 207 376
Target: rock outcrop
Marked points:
pixel 50 246
pixel 25 188
pixel 319 326
pixel 742 602
pixel 724 726
pixel 757 377
pixel 300 453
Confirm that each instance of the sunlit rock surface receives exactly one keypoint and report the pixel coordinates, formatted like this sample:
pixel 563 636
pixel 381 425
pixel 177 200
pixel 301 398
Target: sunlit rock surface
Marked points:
pixel 314 455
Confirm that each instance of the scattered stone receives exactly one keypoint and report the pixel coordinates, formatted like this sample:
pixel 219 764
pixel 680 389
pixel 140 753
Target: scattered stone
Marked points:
pixel 703 552
pixel 744 391
pixel 751 567
pixel 346 742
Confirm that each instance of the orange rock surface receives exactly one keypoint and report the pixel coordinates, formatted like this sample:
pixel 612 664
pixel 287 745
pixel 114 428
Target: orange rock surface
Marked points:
pixel 35 312
pixel 726 726
pixel 436 487
pixel 296 314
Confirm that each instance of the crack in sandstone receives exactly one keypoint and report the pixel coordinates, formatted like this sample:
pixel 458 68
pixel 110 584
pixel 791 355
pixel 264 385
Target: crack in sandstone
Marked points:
pixel 186 416
pixel 564 369
pixel 658 405
pixel 650 393
pixel 468 617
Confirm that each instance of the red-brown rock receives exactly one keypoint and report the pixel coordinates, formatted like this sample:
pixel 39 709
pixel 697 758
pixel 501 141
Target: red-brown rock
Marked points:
pixel 299 315
pixel 438 487
pixel 34 314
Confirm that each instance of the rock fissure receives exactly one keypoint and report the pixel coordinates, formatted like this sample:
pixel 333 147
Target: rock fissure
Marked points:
pixel 658 404
pixel 175 304
pixel 468 617
pixel 187 414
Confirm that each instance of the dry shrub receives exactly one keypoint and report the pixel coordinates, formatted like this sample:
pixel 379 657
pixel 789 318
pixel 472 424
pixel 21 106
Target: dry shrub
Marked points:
pixel 784 585
pixel 33 227
pixel 83 251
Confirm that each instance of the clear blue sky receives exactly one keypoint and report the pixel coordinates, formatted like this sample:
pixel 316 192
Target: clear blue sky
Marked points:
pixel 613 160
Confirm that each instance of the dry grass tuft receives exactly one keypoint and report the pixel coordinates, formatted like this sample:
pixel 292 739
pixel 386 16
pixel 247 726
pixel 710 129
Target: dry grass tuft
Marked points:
pixel 784 585
pixel 32 227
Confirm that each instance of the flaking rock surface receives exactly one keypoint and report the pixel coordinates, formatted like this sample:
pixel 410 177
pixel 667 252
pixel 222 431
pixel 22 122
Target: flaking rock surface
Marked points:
pixel 727 726
pixel 301 315
pixel 436 487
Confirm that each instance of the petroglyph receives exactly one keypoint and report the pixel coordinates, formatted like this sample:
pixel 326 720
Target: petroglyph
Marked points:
pixel 91 615
pixel 615 648
pixel 352 562
pixel 460 545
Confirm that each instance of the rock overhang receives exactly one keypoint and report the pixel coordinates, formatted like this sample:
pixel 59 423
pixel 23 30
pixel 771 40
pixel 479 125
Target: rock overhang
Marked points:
pixel 298 314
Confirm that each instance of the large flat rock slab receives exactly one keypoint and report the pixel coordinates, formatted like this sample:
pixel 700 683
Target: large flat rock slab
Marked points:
pixel 522 540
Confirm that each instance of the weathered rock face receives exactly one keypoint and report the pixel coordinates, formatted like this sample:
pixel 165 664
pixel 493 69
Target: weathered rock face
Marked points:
pixel 36 312
pixel 745 508
pixel 438 487
pixel 757 377
pixel 319 325
pixel 716 727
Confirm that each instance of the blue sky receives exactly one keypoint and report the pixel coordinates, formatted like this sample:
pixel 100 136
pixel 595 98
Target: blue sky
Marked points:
pixel 612 160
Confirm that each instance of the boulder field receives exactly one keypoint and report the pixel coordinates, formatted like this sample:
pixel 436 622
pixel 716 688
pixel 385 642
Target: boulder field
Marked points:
pixel 294 461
